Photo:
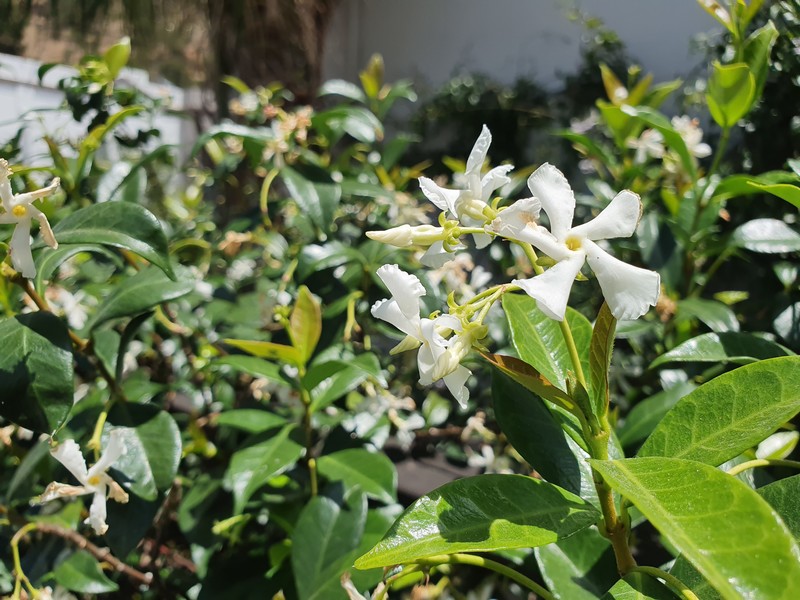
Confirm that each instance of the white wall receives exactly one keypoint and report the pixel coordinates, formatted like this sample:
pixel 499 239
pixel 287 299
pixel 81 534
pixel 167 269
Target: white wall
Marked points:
pixel 432 40
pixel 23 99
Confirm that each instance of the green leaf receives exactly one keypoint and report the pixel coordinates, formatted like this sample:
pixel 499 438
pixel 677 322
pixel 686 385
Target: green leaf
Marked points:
pixel 714 314
pixel 252 467
pixel 252 365
pixel 600 351
pixel 331 380
pixel 538 341
pixel 729 414
pixel 318 199
pixel 778 183
pixel 343 88
pixel 673 139
pixel 638 586
pixel 81 573
pixel 481 514
pixel 689 576
pixel 91 143
pixel 324 544
pixel 153 448
pixel 727 347
pixel 716 10
pixel 356 121
pixel 135 295
pixel 268 350
pixel 48 260
pixel 784 497
pixel 373 473
pixel 117 56
pixel 643 418
pixel 731 93
pixel 36 376
pixel 757 49
pixel 305 324
pixel 580 567
pixel 118 224
pixel 769 236
pixel 252 420
pixel 720 524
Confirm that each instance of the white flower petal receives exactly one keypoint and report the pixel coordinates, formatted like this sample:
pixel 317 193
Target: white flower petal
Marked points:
pixel 44 227
pixel 436 256
pixel 61 490
pixel 543 240
pixel 68 453
pixel 97 512
pixel 389 311
pixel 494 179
pixel 448 321
pixel 20 245
pixel 628 290
pixel 481 240
pixel 617 220
pixel 513 219
pixel 114 449
pixel 443 198
pixel 551 288
pixel 479 151
pixel 433 347
pixel 6 193
pixel 455 383
pixel 405 289
pixel 701 150
pixel 549 185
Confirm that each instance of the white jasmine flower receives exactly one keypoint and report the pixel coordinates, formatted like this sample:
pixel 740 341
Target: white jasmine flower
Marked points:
pixel 19 211
pixel 649 145
pixel 94 480
pixel 628 290
pixel 241 269
pixel 403 311
pixel 467 204
pixel 689 130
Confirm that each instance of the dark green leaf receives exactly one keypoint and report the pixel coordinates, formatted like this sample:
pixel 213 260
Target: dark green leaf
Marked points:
pixel 728 347
pixel 137 294
pixel 600 358
pixel 318 199
pixel 638 586
pixel 757 49
pixel 48 259
pixel 251 420
pixel 373 473
pixel 715 315
pixel 252 365
pixel 730 413
pixel 778 183
pixel 36 376
pixel 769 236
pixel 643 418
pixel 720 524
pixel 481 514
pixel 81 573
pixel 784 497
pixel 331 380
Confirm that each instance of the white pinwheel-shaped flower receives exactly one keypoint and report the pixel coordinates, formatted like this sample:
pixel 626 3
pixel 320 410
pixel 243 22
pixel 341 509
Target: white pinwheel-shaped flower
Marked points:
pixel 467 203
pixel 19 211
pixel 628 290
pixel 438 358
pixel 94 480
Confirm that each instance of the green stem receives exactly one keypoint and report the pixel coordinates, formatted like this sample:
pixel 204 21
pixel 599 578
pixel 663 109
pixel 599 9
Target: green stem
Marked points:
pixel 480 561
pixel 94 443
pixel 389 581
pixel 676 584
pixel 311 462
pixel 19 575
pixel 763 462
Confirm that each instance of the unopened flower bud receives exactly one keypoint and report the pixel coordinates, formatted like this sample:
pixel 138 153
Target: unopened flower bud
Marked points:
pixel 405 235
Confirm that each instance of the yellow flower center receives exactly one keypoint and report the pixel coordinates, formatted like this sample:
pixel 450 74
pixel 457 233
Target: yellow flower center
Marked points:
pixel 573 243
pixel 20 210
pixel 94 480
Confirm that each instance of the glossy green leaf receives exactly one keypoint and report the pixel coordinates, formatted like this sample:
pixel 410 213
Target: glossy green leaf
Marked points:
pixel 81 573
pixel 135 295
pixel 48 260
pixel 318 199
pixel 769 236
pixel 714 314
pixel 691 577
pixel 373 473
pixel 152 448
pixel 731 93
pixel 778 183
pixel 356 121
pixel 730 413
pixel 379 520
pixel 727 347
pixel 252 420
pixel 305 324
pixel 331 380
pixel 538 340
pixel 268 350
pixel 36 376
pixel 757 49
pixel 724 527
pixel 784 497
pixel 600 351
pixel 91 143
pixel 252 467
pixel 252 365
pixel 340 87
pixel 481 514
pixel 580 567
pixel 719 12
pixel 324 544
pixel 117 56
pixel 638 586
pixel 118 224
pixel 528 377
pixel 647 414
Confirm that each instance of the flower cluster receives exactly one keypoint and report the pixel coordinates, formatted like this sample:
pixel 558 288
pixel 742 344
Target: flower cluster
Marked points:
pixel 18 210
pixel 445 340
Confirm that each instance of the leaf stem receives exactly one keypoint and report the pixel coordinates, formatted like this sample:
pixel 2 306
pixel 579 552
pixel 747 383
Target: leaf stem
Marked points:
pixel 19 574
pixel 311 462
pixel 763 462
pixel 486 563
pixel 389 581
pixel 676 584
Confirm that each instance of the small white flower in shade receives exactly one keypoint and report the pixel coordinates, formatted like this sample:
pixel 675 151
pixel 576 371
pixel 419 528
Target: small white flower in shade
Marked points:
pixel 648 145
pixel 404 236
pixel 403 311
pixel 19 211
pixel 689 130
pixel 467 204
pixel 94 480
pixel 628 290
